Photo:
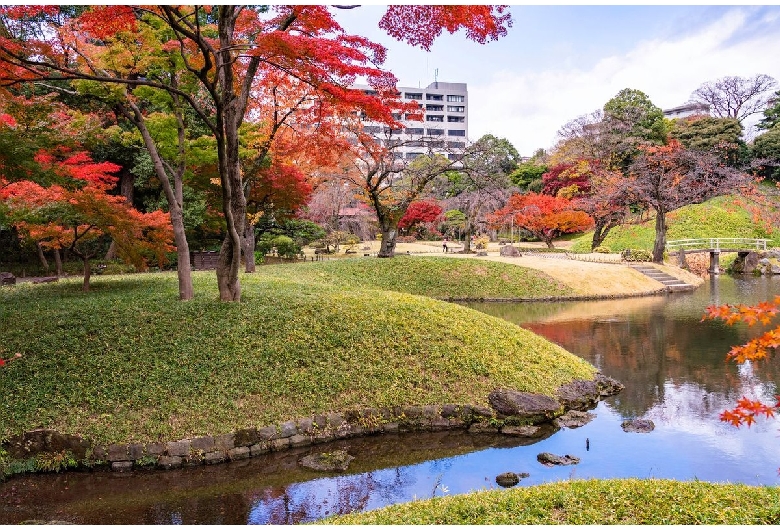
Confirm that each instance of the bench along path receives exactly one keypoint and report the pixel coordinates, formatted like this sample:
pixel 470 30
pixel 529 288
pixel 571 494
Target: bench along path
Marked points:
pixel 672 284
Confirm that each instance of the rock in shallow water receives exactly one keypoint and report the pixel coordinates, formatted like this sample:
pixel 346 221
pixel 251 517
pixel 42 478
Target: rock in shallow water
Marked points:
pixel 335 461
pixel 509 479
pixel 549 459
pixel 638 425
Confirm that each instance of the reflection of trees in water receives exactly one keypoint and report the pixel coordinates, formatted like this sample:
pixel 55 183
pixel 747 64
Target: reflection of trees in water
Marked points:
pixel 330 496
pixel 647 351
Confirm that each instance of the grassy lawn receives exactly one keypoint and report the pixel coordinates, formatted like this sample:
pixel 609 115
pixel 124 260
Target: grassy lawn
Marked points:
pixel 437 277
pixel 129 363
pixel 593 502
pixel 718 217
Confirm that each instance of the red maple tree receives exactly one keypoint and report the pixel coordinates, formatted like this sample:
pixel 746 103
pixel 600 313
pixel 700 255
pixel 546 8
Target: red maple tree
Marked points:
pixel 543 216
pixel 420 213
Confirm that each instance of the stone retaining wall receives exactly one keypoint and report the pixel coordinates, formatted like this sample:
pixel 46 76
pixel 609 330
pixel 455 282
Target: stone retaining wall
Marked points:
pixel 246 443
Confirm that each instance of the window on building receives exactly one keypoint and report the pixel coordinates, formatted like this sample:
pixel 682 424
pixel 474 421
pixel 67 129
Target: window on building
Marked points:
pixel 434 118
pixel 456 108
pixel 370 92
pixel 398 156
pixel 437 108
pixel 456 99
pixel 456 119
pixel 456 145
pixel 411 156
pixel 416 143
pixel 434 97
pixel 415 130
pixel 372 129
pixel 413 95
pixel 456 132
pixel 396 116
pixel 388 130
pixel 455 156
pixel 435 132
pixel 436 144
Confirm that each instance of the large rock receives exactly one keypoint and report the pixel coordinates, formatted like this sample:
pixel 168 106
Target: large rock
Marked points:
pixel 524 405
pixel 336 461
pixel 745 263
pixel 510 251
pixel 584 395
pixel 638 425
pixel 7 278
pixel 549 459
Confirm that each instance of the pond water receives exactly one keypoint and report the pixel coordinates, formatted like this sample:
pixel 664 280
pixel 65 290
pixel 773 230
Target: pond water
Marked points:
pixel 675 374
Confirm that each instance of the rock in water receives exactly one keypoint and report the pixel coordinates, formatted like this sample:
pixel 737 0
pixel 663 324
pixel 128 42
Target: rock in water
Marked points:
pixel 507 480
pixel 549 459
pixel 335 461
pixel 638 425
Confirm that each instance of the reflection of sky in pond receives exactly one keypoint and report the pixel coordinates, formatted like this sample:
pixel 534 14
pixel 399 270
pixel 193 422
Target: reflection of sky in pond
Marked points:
pixel 681 447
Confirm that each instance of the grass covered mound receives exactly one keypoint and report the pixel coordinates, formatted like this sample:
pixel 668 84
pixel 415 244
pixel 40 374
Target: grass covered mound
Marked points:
pixel 718 217
pixel 594 502
pixel 428 276
pixel 127 362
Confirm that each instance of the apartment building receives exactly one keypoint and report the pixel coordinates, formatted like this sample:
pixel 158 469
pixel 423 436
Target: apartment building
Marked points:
pixel 445 124
pixel 691 108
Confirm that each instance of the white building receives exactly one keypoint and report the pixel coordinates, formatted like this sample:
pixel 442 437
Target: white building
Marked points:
pixel 444 128
pixel 687 109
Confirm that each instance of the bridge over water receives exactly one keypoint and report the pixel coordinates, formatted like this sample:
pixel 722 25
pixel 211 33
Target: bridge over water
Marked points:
pixel 715 245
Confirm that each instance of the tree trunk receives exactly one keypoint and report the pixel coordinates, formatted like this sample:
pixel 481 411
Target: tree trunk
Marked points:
pixel 126 188
pixel 58 262
pixel 548 242
pixel 660 236
pixel 249 248
pixel 175 197
pixel 42 257
pixel 602 228
pixel 389 233
pixel 87 274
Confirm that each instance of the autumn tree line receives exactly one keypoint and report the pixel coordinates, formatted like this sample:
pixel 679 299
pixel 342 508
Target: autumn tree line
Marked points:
pixel 138 132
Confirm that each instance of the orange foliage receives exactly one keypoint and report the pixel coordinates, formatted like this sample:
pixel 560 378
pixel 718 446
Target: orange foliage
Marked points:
pixel 546 217
pixel 747 410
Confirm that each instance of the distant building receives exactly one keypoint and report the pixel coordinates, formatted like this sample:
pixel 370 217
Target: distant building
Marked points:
pixel 687 109
pixel 445 125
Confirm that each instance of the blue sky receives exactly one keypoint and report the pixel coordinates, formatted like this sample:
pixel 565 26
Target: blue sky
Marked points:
pixel 560 62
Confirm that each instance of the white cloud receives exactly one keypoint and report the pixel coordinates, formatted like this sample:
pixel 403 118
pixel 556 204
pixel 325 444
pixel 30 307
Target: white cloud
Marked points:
pixel 529 108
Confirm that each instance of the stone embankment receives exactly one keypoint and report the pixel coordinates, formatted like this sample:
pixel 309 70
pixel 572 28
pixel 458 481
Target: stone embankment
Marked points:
pixel 511 413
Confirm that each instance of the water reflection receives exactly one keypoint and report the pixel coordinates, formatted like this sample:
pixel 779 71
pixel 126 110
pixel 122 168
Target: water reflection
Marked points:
pixel 675 374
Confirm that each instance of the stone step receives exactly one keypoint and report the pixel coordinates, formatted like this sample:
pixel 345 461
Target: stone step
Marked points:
pixel 671 283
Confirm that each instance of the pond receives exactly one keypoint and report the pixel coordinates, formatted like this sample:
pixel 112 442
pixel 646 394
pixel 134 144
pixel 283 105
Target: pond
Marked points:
pixel 675 373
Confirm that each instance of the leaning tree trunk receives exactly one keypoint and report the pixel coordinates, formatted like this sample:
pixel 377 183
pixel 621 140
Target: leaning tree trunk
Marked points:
pixel 603 227
pixel 42 257
pixel 660 236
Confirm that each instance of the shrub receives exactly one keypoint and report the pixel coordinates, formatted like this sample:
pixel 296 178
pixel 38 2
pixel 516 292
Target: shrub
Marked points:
pixel 481 242
pixel 407 239
pixel 636 254
pixel 284 246
pixel 602 250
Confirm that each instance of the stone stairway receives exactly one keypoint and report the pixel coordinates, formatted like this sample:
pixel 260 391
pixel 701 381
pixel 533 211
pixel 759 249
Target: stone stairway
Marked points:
pixel 672 284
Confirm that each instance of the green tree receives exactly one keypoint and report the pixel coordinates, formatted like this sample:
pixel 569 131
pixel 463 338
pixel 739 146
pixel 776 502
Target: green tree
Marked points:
pixel 705 133
pixel 630 120
pixel 771 113
pixel 766 153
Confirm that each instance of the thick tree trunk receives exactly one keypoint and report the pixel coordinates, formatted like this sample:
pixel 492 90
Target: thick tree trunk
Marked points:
pixel 660 236
pixel 389 234
pixel 602 228
pixel 126 189
pixel 183 265
pixel 467 242
pixel 249 248
pixel 549 242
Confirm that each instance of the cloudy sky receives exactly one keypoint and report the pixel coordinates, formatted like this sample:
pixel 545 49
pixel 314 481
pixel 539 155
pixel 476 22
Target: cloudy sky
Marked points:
pixel 559 62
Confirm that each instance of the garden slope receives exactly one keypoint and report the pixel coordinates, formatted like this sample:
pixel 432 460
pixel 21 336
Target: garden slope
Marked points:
pixel 129 363
pixel 437 277
pixel 718 217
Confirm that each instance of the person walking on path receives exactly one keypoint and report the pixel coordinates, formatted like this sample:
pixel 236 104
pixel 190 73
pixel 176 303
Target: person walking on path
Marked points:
pixel 444 245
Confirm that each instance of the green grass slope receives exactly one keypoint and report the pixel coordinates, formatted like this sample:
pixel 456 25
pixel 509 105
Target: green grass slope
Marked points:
pixel 718 217
pixel 129 363
pixel 428 276
pixel 592 502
